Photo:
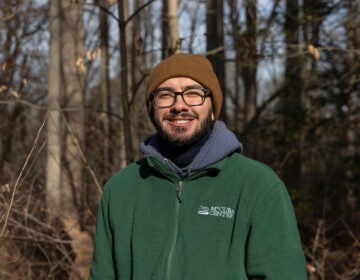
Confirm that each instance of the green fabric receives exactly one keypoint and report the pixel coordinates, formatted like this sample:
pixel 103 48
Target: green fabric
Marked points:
pixel 235 221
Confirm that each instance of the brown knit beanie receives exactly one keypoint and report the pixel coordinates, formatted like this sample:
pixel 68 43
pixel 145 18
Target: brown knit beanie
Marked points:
pixel 192 66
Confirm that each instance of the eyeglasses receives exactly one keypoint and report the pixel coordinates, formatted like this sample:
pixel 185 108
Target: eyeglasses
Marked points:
pixel 163 98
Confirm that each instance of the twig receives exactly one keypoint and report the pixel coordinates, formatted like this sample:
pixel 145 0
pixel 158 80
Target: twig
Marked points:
pixel 19 178
pixel 82 156
pixel 351 233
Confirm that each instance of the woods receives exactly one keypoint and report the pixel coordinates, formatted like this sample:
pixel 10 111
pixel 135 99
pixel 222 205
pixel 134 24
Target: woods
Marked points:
pixel 72 90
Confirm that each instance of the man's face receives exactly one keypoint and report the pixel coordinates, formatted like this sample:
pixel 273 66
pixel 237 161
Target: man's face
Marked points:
pixel 180 124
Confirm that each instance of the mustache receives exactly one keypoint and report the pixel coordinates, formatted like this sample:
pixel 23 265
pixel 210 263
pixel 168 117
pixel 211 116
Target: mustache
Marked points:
pixel 183 115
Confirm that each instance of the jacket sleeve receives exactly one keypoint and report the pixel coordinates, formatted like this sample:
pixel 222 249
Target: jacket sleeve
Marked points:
pixel 102 267
pixel 274 250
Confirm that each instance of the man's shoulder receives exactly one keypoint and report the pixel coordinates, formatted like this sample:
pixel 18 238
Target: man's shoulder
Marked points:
pixel 251 167
pixel 125 176
pixel 130 168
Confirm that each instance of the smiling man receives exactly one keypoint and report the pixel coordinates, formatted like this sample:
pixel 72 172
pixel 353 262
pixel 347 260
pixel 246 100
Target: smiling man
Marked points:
pixel 194 207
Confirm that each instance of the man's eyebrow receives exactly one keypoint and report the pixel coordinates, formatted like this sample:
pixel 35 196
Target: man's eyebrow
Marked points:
pixel 195 86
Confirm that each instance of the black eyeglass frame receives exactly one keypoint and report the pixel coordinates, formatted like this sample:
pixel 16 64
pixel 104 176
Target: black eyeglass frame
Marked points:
pixel 204 90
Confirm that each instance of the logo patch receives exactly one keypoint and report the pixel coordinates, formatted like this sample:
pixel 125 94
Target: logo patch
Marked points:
pixel 216 211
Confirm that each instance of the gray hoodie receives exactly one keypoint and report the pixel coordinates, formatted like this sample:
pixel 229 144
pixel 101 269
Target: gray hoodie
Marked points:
pixel 221 143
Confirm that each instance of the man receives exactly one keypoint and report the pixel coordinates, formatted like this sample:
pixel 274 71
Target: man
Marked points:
pixel 194 207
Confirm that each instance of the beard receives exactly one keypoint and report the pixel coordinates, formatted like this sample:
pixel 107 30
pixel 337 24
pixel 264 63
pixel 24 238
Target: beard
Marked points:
pixel 177 136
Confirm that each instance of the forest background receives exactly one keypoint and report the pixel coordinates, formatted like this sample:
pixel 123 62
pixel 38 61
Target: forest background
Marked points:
pixel 72 83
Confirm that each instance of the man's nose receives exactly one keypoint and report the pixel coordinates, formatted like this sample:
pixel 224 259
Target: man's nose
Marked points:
pixel 179 104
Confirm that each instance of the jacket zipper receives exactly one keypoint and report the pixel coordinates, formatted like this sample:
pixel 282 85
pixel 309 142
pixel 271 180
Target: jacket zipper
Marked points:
pixel 178 191
pixel 176 229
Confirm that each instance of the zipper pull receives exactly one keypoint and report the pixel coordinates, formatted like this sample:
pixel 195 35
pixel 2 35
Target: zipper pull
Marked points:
pixel 178 191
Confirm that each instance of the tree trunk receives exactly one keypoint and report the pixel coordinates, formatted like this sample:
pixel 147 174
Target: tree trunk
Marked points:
pixel 72 188
pixel 248 65
pixel 235 32
pixel 353 40
pixel 126 135
pixel 174 38
pixel 165 30
pixel 53 163
pixel 105 84
pixel 170 29
pixel 137 65
pixel 291 99
pixel 215 44
pixel 64 186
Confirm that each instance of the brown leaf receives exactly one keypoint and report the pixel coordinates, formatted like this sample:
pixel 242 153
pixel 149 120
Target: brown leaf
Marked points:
pixel 314 52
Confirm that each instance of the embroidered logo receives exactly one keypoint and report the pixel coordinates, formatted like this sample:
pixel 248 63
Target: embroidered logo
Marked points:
pixel 216 211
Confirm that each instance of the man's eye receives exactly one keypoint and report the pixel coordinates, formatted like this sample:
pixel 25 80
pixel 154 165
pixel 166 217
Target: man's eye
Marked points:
pixel 193 93
pixel 165 95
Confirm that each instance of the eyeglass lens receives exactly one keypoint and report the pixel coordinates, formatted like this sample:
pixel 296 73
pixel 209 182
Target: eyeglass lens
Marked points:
pixel 192 97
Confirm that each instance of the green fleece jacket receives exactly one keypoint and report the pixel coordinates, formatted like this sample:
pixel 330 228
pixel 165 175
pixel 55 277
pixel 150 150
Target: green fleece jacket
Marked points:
pixel 230 220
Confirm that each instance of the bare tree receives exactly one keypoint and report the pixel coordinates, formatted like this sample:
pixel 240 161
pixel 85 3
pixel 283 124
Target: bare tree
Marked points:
pixel 72 176
pixel 126 135
pixel 291 97
pixel 19 20
pixel 171 41
pixel 234 16
pixel 137 72
pixel 105 80
pixel 246 60
pixel 65 191
pixel 53 164
pixel 215 44
pixel 353 41
pixel 248 64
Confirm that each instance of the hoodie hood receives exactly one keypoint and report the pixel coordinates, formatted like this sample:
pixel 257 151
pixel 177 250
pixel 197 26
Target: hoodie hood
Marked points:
pixel 221 143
